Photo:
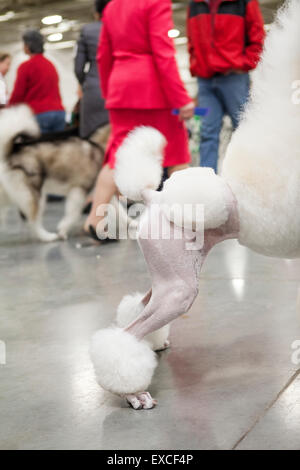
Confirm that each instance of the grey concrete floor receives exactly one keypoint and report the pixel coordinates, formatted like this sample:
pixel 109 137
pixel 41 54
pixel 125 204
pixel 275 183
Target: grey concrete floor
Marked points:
pixel 228 380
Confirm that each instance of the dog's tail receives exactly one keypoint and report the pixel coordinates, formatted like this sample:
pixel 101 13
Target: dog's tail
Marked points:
pixel 15 121
pixel 139 162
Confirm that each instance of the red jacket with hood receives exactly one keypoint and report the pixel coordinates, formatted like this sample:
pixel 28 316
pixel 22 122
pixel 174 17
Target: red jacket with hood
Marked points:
pixel 224 35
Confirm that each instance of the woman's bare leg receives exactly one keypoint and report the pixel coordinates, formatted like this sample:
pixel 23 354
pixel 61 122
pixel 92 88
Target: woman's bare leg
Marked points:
pixel 104 191
pixel 106 188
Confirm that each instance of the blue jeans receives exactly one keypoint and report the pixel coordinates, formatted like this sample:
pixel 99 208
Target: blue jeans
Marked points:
pixel 222 94
pixel 52 121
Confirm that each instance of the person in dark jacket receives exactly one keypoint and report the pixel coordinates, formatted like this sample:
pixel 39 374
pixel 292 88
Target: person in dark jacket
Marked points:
pixel 225 40
pixel 92 107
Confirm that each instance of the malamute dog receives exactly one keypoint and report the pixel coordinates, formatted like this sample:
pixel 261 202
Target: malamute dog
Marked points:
pixel 29 172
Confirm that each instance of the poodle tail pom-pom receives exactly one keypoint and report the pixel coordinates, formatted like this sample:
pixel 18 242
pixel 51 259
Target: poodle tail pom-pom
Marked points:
pixel 139 162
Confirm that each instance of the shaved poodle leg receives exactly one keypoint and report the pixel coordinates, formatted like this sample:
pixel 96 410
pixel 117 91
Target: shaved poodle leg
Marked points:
pixel 175 270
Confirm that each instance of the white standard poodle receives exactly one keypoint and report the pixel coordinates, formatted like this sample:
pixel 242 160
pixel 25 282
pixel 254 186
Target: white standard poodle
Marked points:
pixel 256 200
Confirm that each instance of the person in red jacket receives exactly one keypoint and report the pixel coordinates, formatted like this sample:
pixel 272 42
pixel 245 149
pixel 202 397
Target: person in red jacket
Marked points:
pixel 225 40
pixel 141 84
pixel 37 85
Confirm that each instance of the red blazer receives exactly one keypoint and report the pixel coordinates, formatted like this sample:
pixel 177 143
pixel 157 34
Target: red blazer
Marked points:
pixel 224 35
pixel 136 57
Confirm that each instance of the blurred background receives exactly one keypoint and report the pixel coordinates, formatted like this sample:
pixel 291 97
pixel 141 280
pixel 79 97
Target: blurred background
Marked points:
pixel 60 22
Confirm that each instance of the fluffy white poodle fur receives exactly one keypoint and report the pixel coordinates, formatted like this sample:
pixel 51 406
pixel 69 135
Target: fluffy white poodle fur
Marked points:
pixel 189 188
pixel 139 162
pixel 138 169
pixel 129 309
pixel 262 165
pixel 123 365
pixel 262 169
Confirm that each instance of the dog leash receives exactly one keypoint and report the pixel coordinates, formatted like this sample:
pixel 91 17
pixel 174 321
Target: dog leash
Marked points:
pixel 197 111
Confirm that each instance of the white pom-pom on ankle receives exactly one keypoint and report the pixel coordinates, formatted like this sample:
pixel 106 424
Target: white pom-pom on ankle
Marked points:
pixel 123 365
pixel 130 308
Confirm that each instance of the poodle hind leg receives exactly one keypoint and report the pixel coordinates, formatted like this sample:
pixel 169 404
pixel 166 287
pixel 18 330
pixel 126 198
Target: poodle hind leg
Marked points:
pixel 123 359
pixel 163 307
pixel 174 269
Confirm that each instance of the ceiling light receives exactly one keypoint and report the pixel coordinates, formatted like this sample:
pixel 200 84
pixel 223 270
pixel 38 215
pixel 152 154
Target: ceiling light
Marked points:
pixel 55 37
pixel 61 28
pixel 8 16
pixel 60 45
pixel 54 19
pixel 173 33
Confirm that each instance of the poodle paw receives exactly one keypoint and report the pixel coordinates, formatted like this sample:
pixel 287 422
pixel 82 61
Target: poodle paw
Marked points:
pixel 141 401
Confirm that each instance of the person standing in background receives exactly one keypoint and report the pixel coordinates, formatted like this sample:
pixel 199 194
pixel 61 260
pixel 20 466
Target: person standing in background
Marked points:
pixel 5 62
pixel 141 84
pixel 225 39
pixel 92 106
pixel 37 85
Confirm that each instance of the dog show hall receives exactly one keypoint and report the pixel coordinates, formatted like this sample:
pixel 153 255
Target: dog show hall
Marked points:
pixel 150 228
